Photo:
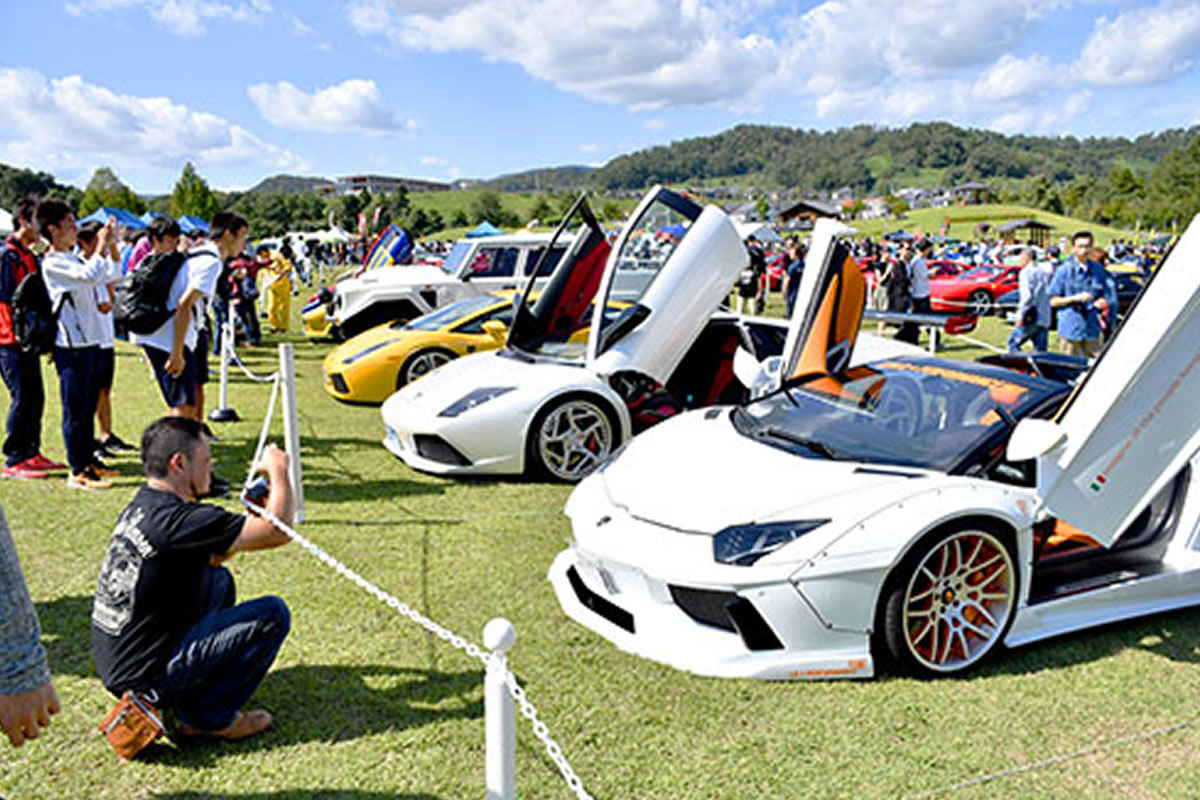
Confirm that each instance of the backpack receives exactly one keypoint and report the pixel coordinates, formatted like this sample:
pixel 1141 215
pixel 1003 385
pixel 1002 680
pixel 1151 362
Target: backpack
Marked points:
pixel 35 319
pixel 143 305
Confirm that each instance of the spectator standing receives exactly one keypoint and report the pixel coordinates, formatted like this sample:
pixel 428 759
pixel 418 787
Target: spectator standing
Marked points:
pixel 1033 305
pixel 243 291
pixel 279 293
pixel 918 289
pixel 109 444
pixel 72 283
pixel 792 275
pixel 172 349
pixel 27 697
pixel 164 618
pixel 22 371
pixel 749 286
pixel 1077 285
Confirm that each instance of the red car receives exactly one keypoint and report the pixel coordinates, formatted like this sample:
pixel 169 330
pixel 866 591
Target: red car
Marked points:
pixel 974 290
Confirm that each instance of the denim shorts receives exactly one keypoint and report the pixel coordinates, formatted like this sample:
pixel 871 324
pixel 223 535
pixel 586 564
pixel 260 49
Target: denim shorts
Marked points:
pixel 176 391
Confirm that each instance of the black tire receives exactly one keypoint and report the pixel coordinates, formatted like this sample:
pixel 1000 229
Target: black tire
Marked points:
pixel 952 600
pixel 421 363
pixel 979 302
pixel 570 437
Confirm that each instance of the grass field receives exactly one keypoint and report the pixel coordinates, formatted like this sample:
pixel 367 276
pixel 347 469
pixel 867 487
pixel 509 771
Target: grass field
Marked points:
pixel 369 706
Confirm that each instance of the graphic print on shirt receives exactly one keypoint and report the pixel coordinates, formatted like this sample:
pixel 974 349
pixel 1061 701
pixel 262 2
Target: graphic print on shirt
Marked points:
pixel 113 607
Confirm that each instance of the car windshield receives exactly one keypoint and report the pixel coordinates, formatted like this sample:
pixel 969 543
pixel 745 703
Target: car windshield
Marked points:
pixel 926 413
pixel 980 273
pixel 456 256
pixel 446 315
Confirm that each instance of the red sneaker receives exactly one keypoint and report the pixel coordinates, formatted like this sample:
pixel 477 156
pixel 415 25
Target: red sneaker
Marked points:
pixel 40 462
pixel 24 472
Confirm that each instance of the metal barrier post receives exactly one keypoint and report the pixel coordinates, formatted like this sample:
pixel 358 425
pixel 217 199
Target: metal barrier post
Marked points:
pixel 291 427
pixel 223 413
pixel 498 713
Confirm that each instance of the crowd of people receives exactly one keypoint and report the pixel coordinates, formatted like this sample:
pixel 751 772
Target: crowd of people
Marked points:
pixel 81 265
pixel 167 631
pixel 1053 282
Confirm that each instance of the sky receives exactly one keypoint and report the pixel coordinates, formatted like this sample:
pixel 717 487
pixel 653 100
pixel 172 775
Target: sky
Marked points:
pixel 449 89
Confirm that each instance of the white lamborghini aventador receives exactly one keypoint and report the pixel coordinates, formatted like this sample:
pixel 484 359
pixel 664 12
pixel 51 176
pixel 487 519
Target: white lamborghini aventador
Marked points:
pixel 916 510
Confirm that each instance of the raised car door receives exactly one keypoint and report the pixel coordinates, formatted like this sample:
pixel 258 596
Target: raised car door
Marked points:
pixel 1135 420
pixel 673 262
pixel 560 309
pixel 828 309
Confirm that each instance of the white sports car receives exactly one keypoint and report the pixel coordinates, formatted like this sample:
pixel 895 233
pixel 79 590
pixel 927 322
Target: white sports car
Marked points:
pixel 550 403
pixel 917 511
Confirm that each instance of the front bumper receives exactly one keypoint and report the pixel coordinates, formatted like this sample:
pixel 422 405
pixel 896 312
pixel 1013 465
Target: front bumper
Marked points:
pixel 476 443
pixel 766 632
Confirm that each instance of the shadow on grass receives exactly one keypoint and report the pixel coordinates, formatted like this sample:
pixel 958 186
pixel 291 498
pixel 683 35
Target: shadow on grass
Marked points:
pixel 331 703
pixel 297 794
pixel 1173 635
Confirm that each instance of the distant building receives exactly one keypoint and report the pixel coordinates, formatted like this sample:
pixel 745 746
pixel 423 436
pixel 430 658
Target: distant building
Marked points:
pixel 384 184
pixel 807 211
pixel 972 194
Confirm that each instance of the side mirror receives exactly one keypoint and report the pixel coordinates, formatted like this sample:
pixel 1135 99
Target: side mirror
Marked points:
pixel 496 329
pixel 1034 438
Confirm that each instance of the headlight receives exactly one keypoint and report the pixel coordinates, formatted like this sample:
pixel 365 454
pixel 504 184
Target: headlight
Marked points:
pixel 742 545
pixel 476 398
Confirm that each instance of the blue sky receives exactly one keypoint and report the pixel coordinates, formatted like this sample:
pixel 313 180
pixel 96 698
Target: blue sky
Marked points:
pixel 443 89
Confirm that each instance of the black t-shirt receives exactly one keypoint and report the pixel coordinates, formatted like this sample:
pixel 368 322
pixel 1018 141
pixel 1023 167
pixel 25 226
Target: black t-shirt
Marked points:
pixel 151 584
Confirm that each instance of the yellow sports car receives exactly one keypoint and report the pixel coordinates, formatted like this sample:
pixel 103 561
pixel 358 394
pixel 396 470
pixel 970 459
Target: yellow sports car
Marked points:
pixel 371 366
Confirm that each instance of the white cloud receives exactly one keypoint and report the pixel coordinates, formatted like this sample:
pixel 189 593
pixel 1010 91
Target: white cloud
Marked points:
pixel 589 147
pixel 69 124
pixel 640 53
pixel 656 124
pixel 432 161
pixel 184 17
pixel 1142 46
pixel 352 105
pixel 305 31
pixel 1012 77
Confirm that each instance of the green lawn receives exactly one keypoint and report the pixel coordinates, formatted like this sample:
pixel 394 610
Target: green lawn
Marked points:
pixel 369 706
pixel 963 220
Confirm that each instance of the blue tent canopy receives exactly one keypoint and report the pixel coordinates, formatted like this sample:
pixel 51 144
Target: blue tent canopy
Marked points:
pixel 484 228
pixel 187 224
pixel 150 216
pixel 898 236
pixel 123 217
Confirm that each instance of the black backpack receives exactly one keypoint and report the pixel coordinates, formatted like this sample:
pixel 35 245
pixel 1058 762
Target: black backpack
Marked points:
pixel 35 319
pixel 143 305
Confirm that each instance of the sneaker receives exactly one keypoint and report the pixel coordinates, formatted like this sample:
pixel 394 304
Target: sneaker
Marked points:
pixel 24 472
pixel 40 462
pixel 100 451
pixel 115 444
pixel 102 470
pixel 88 480
pixel 244 725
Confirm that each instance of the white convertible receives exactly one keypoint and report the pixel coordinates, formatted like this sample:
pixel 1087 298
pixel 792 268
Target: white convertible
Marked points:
pixel 557 401
pixel 917 511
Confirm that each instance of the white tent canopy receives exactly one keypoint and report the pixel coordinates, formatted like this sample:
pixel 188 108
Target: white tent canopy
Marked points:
pixel 6 223
pixel 759 230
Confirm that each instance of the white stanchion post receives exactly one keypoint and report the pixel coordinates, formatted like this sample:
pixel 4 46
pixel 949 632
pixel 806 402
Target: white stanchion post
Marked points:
pixel 498 713
pixel 291 426
pixel 223 413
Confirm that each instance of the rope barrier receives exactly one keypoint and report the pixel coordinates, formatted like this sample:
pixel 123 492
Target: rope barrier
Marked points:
pixel 234 358
pixel 489 660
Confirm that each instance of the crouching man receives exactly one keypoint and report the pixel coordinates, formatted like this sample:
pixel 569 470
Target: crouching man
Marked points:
pixel 164 617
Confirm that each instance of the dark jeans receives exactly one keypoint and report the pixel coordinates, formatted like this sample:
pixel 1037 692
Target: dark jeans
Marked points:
pixel 1024 333
pixel 220 309
pixel 219 663
pixel 911 332
pixel 79 391
pixel 23 376
pixel 249 320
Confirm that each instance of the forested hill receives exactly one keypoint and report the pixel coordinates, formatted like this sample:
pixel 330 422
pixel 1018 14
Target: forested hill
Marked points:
pixel 870 159
pixel 547 179
pixel 289 184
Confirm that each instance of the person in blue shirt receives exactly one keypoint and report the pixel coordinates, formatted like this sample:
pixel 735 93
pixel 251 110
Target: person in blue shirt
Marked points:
pixel 1077 291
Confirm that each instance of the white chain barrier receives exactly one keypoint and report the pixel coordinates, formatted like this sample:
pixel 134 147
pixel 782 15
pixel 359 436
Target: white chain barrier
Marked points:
pixel 488 660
